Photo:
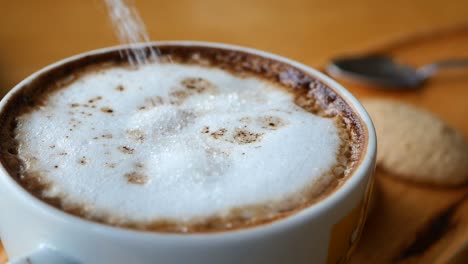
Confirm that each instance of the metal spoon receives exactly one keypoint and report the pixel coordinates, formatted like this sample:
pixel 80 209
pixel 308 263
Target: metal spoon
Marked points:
pixel 384 72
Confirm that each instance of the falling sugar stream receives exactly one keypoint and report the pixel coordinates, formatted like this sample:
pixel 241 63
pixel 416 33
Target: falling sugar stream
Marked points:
pixel 131 30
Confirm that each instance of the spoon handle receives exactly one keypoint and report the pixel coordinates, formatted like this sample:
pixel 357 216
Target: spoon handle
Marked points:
pixel 452 63
pixel 429 70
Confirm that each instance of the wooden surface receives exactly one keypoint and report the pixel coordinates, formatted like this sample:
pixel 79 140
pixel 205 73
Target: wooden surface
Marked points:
pixel 410 223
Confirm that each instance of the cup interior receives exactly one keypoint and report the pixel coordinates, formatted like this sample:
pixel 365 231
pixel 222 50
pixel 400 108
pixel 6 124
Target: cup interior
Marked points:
pixel 233 58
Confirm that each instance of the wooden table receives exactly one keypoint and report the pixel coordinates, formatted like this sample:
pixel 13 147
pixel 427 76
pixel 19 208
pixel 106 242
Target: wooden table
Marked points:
pixel 410 223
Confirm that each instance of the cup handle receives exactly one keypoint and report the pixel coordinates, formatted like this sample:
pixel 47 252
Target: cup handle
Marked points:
pixel 44 255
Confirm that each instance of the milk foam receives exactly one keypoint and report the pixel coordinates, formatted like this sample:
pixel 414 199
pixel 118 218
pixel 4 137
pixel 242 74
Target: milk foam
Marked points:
pixel 173 141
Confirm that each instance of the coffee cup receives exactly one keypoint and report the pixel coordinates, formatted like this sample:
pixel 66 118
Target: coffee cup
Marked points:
pixel 37 229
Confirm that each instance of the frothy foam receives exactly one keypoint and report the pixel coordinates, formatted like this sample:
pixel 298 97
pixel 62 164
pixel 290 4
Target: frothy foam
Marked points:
pixel 174 141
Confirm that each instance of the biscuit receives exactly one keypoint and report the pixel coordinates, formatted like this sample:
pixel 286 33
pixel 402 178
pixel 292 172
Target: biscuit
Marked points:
pixel 415 145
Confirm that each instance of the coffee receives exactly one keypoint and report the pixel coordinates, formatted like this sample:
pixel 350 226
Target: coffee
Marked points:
pixel 214 140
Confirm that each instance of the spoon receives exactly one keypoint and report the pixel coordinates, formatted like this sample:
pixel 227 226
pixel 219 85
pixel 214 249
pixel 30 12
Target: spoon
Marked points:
pixel 384 72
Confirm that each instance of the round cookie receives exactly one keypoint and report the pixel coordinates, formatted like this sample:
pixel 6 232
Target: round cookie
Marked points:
pixel 414 144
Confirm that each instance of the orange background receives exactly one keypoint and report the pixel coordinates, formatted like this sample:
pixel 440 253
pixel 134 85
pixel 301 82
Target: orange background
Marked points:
pixel 36 33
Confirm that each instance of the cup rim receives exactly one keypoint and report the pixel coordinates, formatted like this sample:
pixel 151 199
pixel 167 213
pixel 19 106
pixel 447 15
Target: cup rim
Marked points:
pixel 365 164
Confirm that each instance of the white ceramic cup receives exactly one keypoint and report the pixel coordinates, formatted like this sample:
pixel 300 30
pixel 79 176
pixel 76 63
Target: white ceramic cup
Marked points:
pixel 326 232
